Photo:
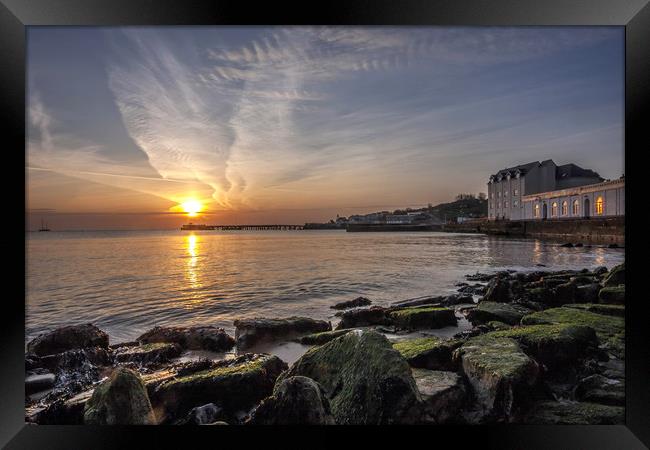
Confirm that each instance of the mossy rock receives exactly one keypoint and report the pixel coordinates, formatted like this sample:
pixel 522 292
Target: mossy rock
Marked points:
pixel 444 395
pixel 429 352
pixel 68 338
pixel 365 380
pixel 363 317
pixel 295 401
pixel 249 332
pixel 121 400
pixel 418 318
pixel 197 338
pixel 574 413
pixel 612 294
pixel 552 345
pixel 322 338
pixel 510 313
pixel 609 329
pixel 235 385
pixel 500 373
pixel 608 310
pixel 615 276
pixel 498 326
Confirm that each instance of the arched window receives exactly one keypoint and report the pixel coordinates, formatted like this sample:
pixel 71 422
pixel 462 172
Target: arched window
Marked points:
pixel 565 208
pixel 576 207
pixel 554 209
pixel 536 211
pixel 600 206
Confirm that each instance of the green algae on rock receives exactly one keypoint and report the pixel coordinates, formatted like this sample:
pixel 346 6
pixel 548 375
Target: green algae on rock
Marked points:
pixel 599 308
pixel 612 294
pixel 416 318
pixel 429 352
pixel 615 276
pixel 500 373
pixel 295 401
pixel 323 337
pixel 363 377
pixel 509 313
pixel 121 400
pixel 553 345
pixel 609 329
pixel 234 385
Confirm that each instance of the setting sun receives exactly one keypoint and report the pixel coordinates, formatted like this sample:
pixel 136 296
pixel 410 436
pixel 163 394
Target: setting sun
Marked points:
pixel 192 207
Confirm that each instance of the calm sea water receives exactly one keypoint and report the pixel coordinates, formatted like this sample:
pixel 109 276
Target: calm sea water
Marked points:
pixel 128 281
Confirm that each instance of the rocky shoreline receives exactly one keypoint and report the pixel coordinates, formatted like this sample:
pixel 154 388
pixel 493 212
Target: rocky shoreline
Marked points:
pixel 545 347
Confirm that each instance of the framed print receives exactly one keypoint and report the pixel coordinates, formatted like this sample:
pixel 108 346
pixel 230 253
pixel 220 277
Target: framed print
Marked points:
pixel 410 219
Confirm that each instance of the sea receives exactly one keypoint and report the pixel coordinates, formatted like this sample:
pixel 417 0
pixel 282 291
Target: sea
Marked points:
pixel 127 282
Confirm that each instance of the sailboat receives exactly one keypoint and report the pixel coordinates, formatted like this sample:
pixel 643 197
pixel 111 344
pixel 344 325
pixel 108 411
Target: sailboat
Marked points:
pixel 43 226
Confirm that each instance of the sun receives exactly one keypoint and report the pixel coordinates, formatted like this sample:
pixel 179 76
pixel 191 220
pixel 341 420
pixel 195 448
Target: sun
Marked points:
pixel 192 207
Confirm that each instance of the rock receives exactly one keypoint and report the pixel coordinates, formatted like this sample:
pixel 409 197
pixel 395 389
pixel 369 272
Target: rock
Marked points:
pixel 495 325
pixel 359 301
pixel 555 346
pixel 579 244
pixel 68 338
pixel 600 389
pixel 443 395
pixel 609 329
pixel 510 313
pixel 480 277
pixel 251 331
pixel 501 374
pixel 121 400
pixel 235 385
pixel 203 415
pixel 423 318
pixel 613 245
pixel 39 382
pixel 568 245
pixel 541 294
pixel 83 359
pixel 197 338
pixel 609 310
pixel 615 276
pixel 419 302
pixel 148 354
pixel 61 411
pixel 374 315
pixel 600 270
pixel 296 400
pixel 574 413
pixel 456 299
pixel 588 293
pixel 498 290
pixel 565 293
pixel 612 294
pixel 429 352
pixel 322 338
pixel 363 377
pixel 477 289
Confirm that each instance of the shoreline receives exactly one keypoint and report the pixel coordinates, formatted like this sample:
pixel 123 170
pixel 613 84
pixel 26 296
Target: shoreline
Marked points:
pixel 515 310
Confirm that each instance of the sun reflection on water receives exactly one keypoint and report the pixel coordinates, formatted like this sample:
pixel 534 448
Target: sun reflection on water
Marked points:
pixel 192 270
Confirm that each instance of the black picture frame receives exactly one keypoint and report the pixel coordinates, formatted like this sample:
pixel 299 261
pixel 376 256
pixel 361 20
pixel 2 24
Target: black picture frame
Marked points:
pixel 16 15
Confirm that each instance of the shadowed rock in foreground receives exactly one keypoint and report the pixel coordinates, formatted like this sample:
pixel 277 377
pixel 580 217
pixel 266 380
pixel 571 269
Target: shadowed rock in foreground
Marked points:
pixel 364 378
pixel 357 302
pixel 121 400
pixel 295 401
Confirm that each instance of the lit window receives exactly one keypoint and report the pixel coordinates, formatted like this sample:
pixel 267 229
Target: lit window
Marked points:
pixel 515 192
pixel 576 207
pixel 599 206
pixel 554 209
pixel 499 194
pixel 536 211
pixel 505 204
pixel 515 203
pixel 505 193
pixel 565 208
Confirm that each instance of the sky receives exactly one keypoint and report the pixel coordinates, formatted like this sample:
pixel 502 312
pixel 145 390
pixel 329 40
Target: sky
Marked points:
pixel 298 124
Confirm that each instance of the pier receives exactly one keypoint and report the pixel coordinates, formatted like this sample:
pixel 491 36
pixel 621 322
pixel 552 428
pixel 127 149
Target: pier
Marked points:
pixel 274 227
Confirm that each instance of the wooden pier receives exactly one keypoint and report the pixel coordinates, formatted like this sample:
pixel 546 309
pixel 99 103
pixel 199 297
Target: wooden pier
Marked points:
pixel 274 227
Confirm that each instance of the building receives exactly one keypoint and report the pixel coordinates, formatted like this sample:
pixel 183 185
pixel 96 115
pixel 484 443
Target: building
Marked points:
pixel 507 187
pixel 605 199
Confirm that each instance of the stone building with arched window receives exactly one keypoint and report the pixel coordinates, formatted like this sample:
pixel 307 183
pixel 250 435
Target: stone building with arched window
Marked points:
pixel 604 199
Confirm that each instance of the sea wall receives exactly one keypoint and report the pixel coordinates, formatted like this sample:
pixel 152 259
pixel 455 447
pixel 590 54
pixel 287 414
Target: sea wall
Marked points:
pixel 354 227
pixel 595 231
